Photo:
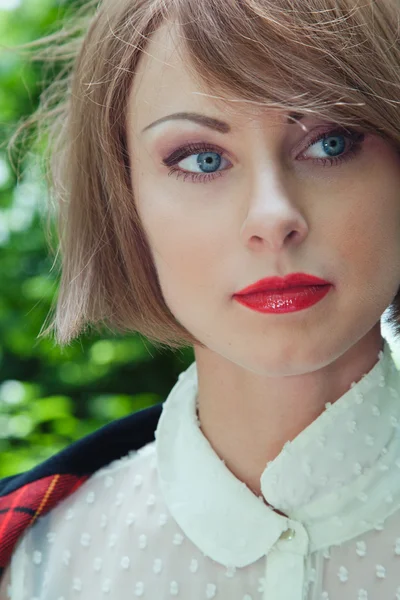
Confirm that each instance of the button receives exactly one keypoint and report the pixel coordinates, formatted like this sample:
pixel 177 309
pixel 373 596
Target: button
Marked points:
pixel 288 534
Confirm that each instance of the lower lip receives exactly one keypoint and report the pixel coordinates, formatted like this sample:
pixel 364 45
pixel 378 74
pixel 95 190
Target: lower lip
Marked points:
pixel 284 301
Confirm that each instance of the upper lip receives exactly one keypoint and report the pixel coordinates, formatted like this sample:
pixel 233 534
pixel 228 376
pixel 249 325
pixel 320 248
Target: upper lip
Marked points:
pixel 280 283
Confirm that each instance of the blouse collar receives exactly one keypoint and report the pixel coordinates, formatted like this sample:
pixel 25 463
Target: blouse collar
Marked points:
pixel 337 479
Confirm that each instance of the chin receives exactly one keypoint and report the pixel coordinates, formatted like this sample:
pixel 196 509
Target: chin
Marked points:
pixel 281 360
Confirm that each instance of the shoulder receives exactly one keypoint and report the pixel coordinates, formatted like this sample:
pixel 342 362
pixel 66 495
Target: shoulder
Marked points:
pixel 30 495
pixel 123 484
pixel 79 540
pixel 101 537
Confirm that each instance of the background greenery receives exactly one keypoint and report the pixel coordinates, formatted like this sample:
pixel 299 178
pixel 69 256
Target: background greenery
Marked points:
pixel 50 397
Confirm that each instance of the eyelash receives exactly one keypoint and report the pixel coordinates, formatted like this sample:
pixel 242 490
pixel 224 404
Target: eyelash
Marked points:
pixel 356 137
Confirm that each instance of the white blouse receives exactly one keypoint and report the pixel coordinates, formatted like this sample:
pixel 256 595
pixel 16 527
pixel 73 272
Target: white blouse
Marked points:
pixel 171 520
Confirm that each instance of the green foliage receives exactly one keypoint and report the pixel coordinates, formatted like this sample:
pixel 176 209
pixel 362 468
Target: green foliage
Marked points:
pixel 50 397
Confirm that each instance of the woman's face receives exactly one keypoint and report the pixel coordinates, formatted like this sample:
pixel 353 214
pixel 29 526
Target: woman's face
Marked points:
pixel 265 201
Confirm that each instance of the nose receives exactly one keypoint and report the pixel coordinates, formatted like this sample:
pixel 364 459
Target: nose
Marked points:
pixel 273 219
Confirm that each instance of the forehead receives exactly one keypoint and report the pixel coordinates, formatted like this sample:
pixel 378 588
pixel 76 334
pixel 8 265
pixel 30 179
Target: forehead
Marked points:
pixel 163 83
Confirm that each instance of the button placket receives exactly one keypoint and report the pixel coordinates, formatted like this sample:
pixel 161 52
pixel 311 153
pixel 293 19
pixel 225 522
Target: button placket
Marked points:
pixel 288 534
pixel 294 539
pixel 285 564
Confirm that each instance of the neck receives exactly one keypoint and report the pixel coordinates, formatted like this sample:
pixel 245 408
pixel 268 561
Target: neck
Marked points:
pixel 248 417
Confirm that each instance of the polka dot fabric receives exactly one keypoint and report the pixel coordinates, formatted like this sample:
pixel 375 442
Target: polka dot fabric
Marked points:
pixel 170 520
pixel 115 539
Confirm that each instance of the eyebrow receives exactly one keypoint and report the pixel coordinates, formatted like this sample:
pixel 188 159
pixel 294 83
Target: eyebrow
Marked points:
pixel 210 122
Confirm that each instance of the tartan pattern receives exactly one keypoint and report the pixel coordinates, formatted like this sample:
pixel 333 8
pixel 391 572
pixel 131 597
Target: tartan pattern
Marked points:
pixel 27 496
pixel 20 509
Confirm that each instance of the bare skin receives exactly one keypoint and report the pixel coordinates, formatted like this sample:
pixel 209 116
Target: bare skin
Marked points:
pixel 275 209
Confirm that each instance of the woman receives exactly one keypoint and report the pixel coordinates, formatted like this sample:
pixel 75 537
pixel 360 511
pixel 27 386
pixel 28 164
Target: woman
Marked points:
pixel 273 471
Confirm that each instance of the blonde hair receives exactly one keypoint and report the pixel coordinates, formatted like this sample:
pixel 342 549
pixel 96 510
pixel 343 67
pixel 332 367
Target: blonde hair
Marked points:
pixel 336 59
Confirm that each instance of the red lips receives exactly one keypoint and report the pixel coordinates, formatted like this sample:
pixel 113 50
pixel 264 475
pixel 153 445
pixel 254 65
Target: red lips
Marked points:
pixel 280 283
pixel 292 293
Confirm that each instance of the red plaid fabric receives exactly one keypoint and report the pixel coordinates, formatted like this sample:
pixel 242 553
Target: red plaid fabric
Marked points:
pixel 20 509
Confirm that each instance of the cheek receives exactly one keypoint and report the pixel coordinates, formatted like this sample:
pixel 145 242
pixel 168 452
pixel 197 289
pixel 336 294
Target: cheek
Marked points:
pixel 186 243
pixel 367 238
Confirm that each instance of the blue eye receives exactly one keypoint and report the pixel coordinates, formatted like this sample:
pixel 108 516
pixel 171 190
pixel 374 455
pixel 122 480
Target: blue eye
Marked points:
pixel 339 144
pixel 208 161
pixel 336 146
pixel 333 143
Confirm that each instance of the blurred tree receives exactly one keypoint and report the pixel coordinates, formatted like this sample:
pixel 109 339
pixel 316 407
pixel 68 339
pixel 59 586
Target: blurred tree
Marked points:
pixel 49 397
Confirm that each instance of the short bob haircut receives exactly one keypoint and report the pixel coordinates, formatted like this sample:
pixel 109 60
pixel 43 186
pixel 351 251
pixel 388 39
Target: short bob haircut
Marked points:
pixel 336 59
